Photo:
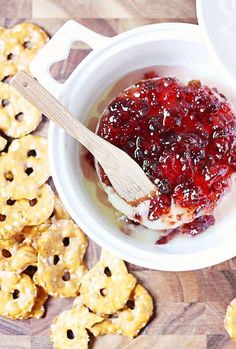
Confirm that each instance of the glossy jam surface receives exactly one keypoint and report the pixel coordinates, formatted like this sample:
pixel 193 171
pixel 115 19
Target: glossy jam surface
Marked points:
pixel 183 136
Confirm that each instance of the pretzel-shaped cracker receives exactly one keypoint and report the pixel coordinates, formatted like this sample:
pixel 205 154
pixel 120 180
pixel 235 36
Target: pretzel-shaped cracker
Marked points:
pixel 15 214
pixel 26 162
pixel 38 309
pixel 131 319
pixel 12 175
pixel 230 319
pixel 68 330
pixel 39 209
pixel 60 259
pixel 30 234
pixel 16 256
pixel 19 45
pixel 59 281
pixel 18 117
pixel 106 287
pixel 17 294
pixel 34 151
pixel 11 217
pixel 9 49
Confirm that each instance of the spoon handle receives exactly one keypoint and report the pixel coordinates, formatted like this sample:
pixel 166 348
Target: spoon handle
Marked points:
pixel 48 105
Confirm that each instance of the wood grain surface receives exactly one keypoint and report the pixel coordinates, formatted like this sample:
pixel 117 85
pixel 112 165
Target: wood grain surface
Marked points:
pixel 189 306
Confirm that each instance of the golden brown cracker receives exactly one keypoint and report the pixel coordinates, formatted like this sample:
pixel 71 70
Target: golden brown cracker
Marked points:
pixel 230 319
pixel 21 173
pixel 38 309
pixel 69 329
pixel 30 234
pixel 11 217
pixel 18 117
pixel 39 209
pixel 60 259
pixel 106 287
pixel 59 280
pixel 19 45
pixel 130 320
pixel 17 294
pixel 16 214
pixel 16 256
pixel 59 209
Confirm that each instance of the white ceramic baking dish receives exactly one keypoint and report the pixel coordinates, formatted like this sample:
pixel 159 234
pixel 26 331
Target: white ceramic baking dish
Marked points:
pixel 178 50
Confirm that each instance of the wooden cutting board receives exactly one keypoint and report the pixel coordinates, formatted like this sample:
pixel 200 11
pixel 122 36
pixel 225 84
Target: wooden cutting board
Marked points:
pixel 189 306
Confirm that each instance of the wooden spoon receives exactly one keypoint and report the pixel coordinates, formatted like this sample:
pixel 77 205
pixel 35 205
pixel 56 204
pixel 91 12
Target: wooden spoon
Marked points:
pixel 125 175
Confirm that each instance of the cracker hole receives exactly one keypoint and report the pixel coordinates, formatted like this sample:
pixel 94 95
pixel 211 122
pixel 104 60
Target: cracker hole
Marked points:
pixel 103 292
pixel 16 294
pixel 52 215
pixel 29 170
pixel 19 117
pixel 91 338
pixel 70 334
pixel 66 241
pixel 66 276
pixel 56 259
pixel 33 202
pixel 113 316
pixel 5 102
pixel 10 57
pixel 11 202
pixel 6 79
pixel 2 217
pixel 19 238
pixel 130 304
pixel 28 45
pixel 107 272
pixel 30 270
pixel 9 176
pixel 6 253
pixel 31 152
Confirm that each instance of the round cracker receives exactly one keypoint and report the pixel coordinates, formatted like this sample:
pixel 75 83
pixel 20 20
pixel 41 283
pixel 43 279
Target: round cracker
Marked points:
pixel 100 284
pixel 60 259
pixel 68 330
pixel 39 209
pixel 19 45
pixel 17 294
pixel 16 256
pixel 18 117
pixel 230 319
pixel 21 175
pixel 130 320
pixel 16 214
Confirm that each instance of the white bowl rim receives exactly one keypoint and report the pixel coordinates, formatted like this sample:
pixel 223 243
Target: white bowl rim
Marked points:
pixel 173 262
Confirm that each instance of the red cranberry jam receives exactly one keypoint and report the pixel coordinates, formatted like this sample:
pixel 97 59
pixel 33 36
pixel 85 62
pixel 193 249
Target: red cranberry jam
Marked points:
pixel 183 137
pixel 197 226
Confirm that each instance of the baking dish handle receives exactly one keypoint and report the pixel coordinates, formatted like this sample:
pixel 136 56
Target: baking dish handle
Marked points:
pixel 58 48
